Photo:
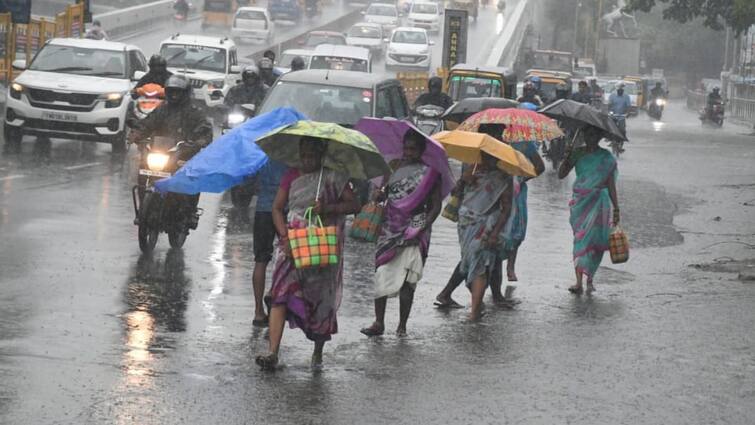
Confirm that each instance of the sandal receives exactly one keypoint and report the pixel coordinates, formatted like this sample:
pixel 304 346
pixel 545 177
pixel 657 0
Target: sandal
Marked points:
pixel 450 303
pixel 260 323
pixel 267 361
pixel 576 290
pixel 373 330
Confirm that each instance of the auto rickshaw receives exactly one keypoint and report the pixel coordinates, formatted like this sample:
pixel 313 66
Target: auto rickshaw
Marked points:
pixel 220 13
pixel 550 80
pixel 642 93
pixel 471 6
pixel 465 81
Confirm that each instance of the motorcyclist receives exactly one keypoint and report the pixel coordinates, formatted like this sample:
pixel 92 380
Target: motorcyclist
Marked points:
pixel 181 7
pixel 271 55
pixel 619 103
pixel 657 92
pixel 297 64
pixel 265 66
pixel 434 95
pixel 251 90
pixel 583 93
pixel 530 95
pixel 158 73
pixel 715 97
pixel 96 32
pixel 562 91
pixel 178 119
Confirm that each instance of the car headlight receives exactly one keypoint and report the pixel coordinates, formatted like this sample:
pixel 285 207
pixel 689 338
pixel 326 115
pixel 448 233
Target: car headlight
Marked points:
pixel 235 119
pixel 157 161
pixel 215 85
pixel 16 90
pixel 112 100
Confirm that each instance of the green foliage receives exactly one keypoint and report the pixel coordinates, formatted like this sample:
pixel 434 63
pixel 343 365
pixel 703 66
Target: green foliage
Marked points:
pixel 738 14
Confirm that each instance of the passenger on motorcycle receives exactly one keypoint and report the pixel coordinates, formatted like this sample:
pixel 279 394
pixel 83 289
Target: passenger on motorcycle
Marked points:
pixel 583 94
pixel 434 95
pixel 619 103
pixel 178 119
pixel 251 90
pixel 530 95
pixel 158 73
pixel 266 72
pixel 271 55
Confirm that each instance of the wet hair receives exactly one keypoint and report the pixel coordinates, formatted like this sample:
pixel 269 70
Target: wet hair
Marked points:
pixel 269 54
pixel 417 138
pixel 492 130
pixel 320 146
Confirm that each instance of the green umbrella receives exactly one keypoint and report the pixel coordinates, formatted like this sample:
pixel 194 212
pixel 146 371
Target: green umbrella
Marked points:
pixel 349 151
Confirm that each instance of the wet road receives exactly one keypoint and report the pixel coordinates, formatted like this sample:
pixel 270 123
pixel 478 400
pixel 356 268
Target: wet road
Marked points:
pixel 92 332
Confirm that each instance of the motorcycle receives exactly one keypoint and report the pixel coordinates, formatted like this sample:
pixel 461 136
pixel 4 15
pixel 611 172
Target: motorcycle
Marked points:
pixel 713 113
pixel 427 119
pixel 171 213
pixel 242 194
pixel 621 121
pixel 148 98
pixel 182 13
pixel 655 110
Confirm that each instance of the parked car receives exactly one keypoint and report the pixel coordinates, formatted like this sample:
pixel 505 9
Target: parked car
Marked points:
pixel 210 64
pixel 284 62
pixel 253 23
pixel 290 10
pixel 315 38
pixel 369 36
pixel 74 89
pixel 343 97
pixel 385 14
pixel 409 47
pixel 424 15
pixel 345 58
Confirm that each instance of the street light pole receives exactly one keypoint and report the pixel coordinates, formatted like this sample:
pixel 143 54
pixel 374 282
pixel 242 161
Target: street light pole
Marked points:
pixel 576 28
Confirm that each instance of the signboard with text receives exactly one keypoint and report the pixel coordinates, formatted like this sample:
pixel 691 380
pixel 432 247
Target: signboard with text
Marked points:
pixel 455 37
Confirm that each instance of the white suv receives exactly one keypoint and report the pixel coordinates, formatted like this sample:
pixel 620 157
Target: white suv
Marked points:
pixel 209 63
pixel 74 89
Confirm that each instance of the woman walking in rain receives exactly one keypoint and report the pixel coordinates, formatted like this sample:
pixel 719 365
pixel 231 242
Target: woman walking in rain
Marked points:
pixel 413 195
pixel 308 298
pixel 594 192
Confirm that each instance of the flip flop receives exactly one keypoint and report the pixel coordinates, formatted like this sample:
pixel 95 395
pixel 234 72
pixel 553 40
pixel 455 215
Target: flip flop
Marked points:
pixel 261 323
pixel 267 361
pixel 577 290
pixel 450 304
pixel 372 331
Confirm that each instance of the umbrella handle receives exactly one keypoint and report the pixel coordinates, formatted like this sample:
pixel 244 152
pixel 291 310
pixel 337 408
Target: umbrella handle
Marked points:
pixel 574 138
pixel 319 183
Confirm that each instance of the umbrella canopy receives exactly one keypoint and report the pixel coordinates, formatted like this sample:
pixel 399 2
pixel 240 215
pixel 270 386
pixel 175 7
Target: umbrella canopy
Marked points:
pixel 468 147
pixel 388 136
pixel 577 115
pixel 231 158
pixel 349 151
pixel 465 108
pixel 522 125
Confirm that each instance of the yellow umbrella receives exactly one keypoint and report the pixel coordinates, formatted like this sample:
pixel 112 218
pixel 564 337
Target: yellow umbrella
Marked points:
pixel 468 147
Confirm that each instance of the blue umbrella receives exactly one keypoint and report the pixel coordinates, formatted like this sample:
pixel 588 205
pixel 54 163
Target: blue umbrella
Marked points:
pixel 231 158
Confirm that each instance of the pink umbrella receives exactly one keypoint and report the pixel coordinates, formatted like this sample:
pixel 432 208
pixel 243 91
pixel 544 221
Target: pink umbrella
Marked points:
pixel 388 137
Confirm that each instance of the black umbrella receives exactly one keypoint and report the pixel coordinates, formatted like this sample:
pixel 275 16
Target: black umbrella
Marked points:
pixel 577 115
pixel 465 108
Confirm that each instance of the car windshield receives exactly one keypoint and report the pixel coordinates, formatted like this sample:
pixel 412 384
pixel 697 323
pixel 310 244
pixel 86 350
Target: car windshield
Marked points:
pixel 81 61
pixel 320 102
pixel 315 40
pixel 203 58
pixel 468 87
pixel 286 58
pixel 378 10
pixel 409 37
pixel 252 15
pixel 339 63
pixel 364 32
pixel 424 8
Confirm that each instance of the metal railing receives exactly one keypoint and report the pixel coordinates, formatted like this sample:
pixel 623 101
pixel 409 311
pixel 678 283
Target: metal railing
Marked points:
pixel 742 109
pixel 507 47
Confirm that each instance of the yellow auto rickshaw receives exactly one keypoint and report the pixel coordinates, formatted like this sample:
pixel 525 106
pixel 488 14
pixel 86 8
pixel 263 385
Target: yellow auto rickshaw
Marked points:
pixel 550 81
pixel 642 95
pixel 466 81
pixel 220 13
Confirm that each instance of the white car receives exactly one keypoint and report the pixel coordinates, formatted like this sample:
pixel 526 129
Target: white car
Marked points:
pixel 409 47
pixel 74 89
pixel 369 36
pixel 424 15
pixel 210 64
pixel 384 14
pixel 252 23
pixel 284 62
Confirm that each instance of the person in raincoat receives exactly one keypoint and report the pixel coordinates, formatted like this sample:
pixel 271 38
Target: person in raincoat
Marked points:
pixel 594 192
pixel 413 202
pixel 307 298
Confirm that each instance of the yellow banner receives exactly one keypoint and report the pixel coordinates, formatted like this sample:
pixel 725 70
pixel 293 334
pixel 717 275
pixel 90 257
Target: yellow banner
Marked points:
pixel 6 56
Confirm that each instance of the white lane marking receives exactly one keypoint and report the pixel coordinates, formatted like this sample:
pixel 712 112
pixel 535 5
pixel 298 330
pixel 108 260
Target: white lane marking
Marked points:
pixel 80 166
pixel 12 177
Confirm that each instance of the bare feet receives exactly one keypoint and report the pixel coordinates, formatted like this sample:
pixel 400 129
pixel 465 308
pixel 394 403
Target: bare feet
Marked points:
pixel 590 288
pixel 576 289
pixel 511 274
pixel 401 332
pixel 375 329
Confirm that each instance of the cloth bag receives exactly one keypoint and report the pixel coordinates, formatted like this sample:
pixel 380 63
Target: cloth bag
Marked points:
pixel 618 245
pixel 366 224
pixel 315 245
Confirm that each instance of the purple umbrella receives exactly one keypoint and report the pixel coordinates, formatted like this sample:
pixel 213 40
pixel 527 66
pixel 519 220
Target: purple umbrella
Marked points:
pixel 388 137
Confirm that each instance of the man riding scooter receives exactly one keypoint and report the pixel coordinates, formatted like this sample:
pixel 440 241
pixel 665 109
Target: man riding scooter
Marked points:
pixel 158 73
pixel 429 107
pixel 251 90
pixel 618 107
pixel 657 101
pixel 714 108
pixel 434 95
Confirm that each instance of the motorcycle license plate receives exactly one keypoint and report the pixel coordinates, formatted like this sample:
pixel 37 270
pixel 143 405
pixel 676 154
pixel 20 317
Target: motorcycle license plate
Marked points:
pixel 59 116
pixel 161 174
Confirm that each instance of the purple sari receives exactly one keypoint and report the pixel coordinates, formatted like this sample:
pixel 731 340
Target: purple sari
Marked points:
pixel 408 192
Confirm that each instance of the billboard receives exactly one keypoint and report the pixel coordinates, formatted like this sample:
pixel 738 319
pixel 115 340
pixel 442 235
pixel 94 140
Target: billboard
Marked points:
pixel 455 37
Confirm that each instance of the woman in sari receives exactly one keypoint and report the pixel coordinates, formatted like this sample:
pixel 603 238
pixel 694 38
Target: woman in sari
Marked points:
pixel 593 194
pixel 484 210
pixel 413 201
pixel 308 298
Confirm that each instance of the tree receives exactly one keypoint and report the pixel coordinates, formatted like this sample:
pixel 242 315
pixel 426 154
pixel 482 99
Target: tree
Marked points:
pixel 738 14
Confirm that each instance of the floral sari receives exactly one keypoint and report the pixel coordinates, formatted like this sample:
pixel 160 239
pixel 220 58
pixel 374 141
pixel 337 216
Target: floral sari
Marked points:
pixel 591 209
pixel 479 212
pixel 516 227
pixel 312 295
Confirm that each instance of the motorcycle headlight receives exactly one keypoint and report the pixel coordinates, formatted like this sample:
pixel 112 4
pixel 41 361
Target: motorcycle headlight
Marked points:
pixel 157 161
pixel 215 85
pixel 235 119
pixel 16 90
pixel 660 102
pixel 112 100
